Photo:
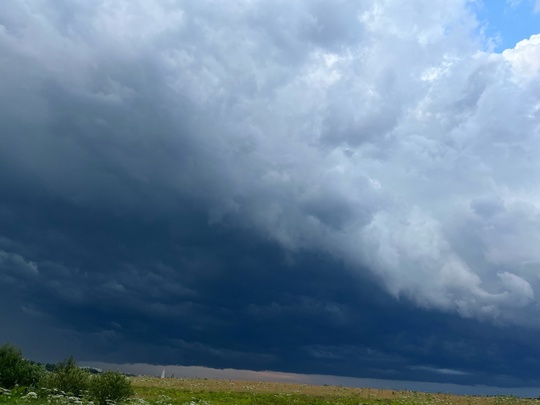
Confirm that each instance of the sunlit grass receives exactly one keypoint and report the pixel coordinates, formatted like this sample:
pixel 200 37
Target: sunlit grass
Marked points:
pixel 205 391
pixel 179 391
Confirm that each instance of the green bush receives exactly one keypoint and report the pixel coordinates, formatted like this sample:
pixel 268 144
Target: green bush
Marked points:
pixel 68 377
pixel 110 386
pixel 15 370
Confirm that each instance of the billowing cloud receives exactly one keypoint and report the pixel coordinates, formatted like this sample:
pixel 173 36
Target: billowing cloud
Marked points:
pixel 380 134
pixel 525 57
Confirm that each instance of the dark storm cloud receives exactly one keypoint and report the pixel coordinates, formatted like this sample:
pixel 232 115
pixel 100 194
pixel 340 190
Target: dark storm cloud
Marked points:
pixel 334 188
pixel 194 293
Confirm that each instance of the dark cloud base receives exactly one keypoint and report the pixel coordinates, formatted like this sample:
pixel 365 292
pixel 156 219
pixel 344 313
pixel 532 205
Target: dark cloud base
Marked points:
pixel 175 290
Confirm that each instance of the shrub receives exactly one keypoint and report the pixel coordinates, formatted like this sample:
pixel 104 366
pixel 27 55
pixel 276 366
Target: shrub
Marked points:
pixel 110 386
pixel 68 377
pixel 15 370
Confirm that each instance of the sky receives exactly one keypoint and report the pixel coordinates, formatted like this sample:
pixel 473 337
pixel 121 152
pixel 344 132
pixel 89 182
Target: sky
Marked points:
pixel 345 188
pixel 506 22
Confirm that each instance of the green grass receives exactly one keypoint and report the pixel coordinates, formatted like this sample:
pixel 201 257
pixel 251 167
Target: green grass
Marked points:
pixel 171 391
pixel 174 396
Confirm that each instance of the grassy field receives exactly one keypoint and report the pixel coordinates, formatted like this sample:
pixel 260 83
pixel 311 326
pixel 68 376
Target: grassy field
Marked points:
pixel 179 391
pixel 216 392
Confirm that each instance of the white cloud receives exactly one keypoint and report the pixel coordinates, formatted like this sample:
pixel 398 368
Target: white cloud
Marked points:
pixel 525 57
pixel 376 132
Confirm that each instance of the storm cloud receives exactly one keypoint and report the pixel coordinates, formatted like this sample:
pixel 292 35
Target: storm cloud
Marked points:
pixel 346 188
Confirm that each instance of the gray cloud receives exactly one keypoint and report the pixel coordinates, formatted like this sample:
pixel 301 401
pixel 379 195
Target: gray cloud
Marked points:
pixel 382 135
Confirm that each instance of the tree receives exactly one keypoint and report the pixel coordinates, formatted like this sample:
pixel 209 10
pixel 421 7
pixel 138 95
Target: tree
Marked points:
pixel 68 377
pixel 15 370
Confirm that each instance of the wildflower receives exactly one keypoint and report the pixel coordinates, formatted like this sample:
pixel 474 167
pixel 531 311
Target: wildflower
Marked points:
pixel 31 395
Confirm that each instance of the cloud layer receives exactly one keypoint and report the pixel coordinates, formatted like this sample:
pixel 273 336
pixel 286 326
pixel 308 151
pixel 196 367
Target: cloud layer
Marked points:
pixel 144 144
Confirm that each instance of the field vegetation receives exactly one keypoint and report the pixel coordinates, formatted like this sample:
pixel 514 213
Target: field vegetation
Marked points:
pixel 221 392
pixel 25 382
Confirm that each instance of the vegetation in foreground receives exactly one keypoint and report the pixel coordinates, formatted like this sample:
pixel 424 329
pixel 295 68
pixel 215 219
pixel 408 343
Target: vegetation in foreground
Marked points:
pixel 24 382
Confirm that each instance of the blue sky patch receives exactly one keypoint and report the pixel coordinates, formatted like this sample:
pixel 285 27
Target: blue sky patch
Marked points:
pixel 508 22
